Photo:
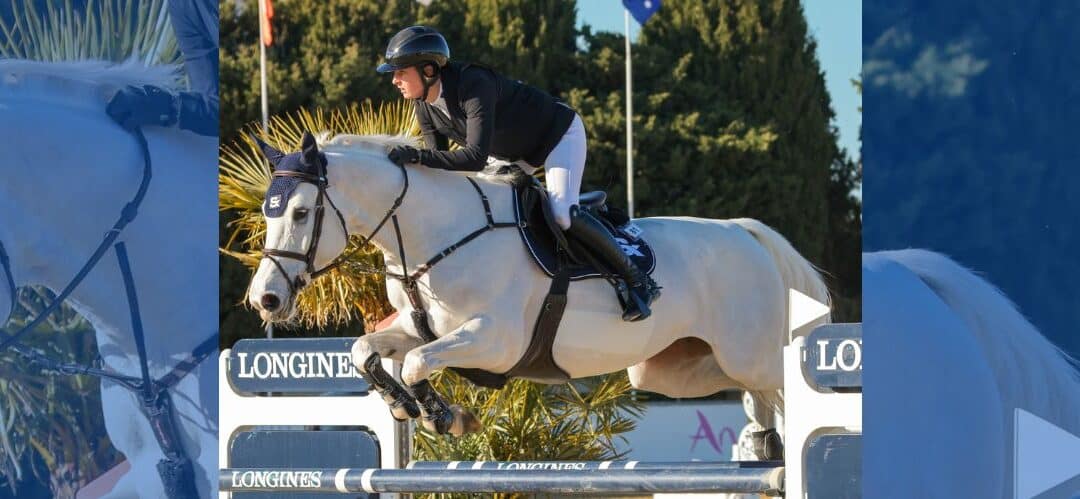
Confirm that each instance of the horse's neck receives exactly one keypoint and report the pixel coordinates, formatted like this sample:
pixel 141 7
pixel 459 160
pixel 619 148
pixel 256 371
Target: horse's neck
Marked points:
pixel 64 197
pixel 439 210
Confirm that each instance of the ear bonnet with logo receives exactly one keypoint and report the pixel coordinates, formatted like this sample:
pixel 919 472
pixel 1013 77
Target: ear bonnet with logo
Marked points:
pixel 308 160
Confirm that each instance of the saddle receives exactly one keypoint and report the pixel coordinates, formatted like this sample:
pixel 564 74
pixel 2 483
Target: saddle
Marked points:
pixel 552 250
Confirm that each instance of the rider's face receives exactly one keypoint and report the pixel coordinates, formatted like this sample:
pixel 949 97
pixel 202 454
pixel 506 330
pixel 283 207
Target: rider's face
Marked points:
pixel 407 81
pixel 410 85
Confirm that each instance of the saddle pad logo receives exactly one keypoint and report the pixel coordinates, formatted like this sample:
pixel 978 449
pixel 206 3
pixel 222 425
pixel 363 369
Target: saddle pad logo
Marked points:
pixel 628 248
pixel 277 196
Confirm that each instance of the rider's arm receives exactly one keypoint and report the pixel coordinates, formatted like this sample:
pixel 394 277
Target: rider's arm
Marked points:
pixel 477 92
pixel 432 138
pixel 195 24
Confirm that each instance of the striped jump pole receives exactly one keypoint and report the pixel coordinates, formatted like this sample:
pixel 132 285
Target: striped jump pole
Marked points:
pixel 540 466
pixel 734 479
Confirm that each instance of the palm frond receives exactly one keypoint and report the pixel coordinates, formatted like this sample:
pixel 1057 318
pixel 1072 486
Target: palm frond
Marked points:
pixel 110 30
pixel 345 293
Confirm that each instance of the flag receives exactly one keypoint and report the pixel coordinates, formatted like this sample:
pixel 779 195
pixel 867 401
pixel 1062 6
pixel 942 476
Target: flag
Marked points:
pixel 642 10
pixel 266 13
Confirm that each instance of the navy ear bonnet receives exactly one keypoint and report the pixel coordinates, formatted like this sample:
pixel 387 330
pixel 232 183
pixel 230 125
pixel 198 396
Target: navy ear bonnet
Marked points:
pixel 308 160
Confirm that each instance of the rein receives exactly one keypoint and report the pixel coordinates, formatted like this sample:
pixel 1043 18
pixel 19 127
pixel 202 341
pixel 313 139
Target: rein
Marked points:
pixel 127 215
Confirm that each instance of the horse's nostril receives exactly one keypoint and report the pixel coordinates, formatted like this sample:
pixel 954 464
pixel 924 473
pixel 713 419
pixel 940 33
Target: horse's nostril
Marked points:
pixel 270 302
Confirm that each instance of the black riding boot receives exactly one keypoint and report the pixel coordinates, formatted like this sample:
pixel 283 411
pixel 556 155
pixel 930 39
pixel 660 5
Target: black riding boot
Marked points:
pixel 641 290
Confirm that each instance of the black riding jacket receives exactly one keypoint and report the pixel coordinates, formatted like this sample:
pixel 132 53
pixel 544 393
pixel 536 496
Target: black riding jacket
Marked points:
pixel 490 115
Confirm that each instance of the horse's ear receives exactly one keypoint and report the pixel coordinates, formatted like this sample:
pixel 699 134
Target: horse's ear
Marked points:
pixel 309 150
pixel 273 155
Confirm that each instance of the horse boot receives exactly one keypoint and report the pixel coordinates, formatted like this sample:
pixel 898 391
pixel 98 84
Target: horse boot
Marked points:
pixel 395 396
pixel 641 290
pixel 436 411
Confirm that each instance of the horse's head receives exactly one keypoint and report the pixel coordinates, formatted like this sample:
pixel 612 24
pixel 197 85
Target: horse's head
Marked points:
pixel 300 243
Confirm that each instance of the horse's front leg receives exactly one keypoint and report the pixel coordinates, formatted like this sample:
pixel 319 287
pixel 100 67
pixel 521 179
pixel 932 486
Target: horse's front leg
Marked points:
pixel 367 352
pixel 472 345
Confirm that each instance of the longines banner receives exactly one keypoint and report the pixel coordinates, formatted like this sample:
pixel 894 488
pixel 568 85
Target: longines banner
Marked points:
pixel 833 357
pixel 294 365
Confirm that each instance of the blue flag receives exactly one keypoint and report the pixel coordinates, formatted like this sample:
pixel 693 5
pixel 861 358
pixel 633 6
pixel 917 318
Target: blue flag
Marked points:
pixel 642 10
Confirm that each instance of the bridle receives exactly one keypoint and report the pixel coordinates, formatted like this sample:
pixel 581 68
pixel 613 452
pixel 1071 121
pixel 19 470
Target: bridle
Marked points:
pixel 409 280
pixel 321 183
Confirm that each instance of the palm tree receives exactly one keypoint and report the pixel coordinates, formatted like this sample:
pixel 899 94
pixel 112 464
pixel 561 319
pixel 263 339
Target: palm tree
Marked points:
pixel 524 420
pixel 51 427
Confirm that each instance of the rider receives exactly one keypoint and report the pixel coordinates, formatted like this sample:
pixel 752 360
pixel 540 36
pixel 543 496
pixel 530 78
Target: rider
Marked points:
pixel 489 114
pixel 195 23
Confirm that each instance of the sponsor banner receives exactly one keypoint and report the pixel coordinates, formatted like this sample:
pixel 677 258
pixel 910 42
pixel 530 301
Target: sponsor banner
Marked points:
pixel 833 357
pixel 294 365
pixel 686 431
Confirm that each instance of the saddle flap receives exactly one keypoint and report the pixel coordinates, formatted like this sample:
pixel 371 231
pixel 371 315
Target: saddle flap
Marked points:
pixel 543 237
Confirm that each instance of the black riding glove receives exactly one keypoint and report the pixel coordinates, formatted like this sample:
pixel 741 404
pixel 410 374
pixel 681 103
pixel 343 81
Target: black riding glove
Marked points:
pixel 133 107
pixel 404 154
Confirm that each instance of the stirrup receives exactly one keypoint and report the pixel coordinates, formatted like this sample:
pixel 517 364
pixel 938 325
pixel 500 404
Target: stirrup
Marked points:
pixel 635 308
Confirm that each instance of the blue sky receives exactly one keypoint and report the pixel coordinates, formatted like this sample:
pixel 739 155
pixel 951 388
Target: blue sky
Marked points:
pixel 835 24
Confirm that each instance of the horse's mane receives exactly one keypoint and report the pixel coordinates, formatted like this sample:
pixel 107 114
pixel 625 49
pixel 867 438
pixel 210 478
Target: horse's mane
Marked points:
pixel 1032 373
pixel 375 147
pixel 95 81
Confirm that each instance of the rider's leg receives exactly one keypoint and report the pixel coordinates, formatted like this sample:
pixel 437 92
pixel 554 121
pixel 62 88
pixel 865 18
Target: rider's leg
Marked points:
pixel 563 170
pixel 564 167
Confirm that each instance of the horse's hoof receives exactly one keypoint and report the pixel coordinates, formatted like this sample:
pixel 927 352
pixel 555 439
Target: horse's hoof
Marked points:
pixel 464 422
pixel 768 444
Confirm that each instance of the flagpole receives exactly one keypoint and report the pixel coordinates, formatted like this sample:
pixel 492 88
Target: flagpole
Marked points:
pixel 262 66
pixel 265 101
pixel 629 123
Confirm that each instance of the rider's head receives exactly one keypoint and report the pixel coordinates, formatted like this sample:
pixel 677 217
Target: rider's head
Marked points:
pixel 415 55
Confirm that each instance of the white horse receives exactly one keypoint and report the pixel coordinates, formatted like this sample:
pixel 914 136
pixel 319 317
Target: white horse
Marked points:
pixel 948 360
pixel 720 324
pixel 67 172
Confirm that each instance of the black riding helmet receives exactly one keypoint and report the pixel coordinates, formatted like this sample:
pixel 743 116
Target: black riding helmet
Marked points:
pixel 418 46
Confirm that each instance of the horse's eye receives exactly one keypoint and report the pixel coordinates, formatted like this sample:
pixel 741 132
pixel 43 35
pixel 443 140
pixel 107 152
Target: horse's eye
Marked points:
pixel 300 215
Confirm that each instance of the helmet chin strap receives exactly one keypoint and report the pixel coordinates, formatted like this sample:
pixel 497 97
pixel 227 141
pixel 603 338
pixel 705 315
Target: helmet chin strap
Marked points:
pixel 427 81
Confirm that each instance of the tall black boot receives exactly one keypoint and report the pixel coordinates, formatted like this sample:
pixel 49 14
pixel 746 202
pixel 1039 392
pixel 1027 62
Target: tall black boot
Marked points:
pixel 641 290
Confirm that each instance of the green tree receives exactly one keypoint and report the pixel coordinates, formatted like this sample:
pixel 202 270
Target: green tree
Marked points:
pixel 731 118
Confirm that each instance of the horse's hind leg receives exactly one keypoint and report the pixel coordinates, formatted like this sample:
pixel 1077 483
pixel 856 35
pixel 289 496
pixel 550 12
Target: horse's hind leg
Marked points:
pixel 367 352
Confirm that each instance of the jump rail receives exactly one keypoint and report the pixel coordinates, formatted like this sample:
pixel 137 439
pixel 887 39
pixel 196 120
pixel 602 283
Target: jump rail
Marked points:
pixel 735 479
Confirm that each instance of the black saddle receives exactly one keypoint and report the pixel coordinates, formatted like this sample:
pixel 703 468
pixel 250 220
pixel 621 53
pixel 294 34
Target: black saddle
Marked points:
pixel 550 247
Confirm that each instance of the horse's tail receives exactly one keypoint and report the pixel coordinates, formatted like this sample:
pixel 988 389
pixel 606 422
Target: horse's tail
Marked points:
pixel 797 272
pixel 1031 373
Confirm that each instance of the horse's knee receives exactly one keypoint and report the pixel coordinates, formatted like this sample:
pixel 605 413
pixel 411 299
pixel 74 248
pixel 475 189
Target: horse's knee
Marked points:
pixel 414 368
pixel 360 352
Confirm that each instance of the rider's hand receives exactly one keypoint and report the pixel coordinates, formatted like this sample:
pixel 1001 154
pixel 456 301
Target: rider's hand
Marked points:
pixel 133 107
pixel 404 154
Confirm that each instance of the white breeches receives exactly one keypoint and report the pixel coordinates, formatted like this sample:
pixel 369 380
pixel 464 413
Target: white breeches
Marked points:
pixel 563 170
